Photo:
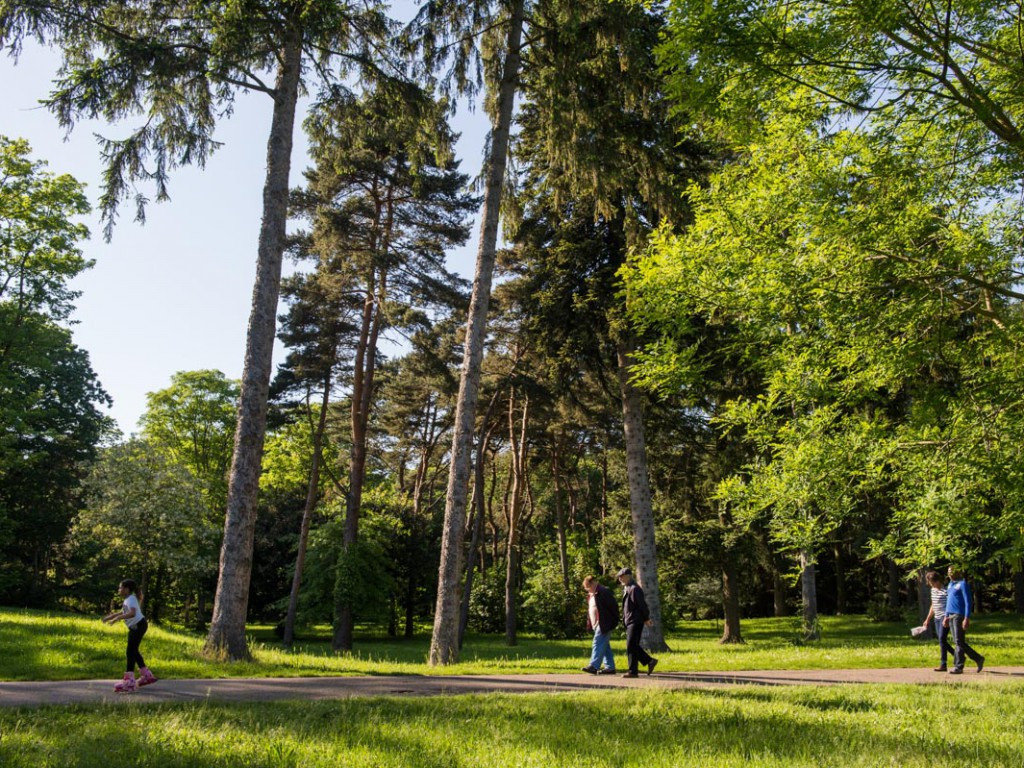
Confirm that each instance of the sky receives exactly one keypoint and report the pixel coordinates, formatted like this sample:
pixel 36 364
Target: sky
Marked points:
pixel 175 293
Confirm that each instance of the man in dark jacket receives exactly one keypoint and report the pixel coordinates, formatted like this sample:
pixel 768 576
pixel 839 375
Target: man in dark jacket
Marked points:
pixel 635 615
pixel 602 617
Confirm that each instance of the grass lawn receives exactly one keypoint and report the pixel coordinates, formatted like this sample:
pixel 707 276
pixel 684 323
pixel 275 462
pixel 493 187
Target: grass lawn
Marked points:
pixel 841 726
pixel 40 646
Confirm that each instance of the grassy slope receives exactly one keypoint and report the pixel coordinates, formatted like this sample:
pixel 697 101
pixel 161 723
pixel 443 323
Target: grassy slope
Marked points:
pixel 841 726
pixel 40 646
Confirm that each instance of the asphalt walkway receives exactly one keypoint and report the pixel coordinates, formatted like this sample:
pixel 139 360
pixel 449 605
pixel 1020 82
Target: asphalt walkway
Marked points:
pixel 30 694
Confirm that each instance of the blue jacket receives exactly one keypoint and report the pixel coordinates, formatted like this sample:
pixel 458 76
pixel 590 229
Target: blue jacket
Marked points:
pixel 958 598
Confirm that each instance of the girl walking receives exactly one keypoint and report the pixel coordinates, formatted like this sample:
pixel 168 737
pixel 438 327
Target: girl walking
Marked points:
pixel 131 614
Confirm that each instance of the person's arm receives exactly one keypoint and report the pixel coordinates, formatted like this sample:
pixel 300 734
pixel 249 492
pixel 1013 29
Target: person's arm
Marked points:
pixel 928 618
pixel 967 604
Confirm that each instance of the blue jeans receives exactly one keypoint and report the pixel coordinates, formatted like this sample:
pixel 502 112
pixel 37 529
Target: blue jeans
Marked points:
pixel 942 633
pixel 602 650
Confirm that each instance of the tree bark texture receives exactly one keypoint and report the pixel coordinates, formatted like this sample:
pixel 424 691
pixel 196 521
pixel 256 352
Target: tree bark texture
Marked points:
pixel 312 494
pixel 640 500
pixel 516 513
pixel 809 595
pixel 730 590
pixel 227 629
pixel 444 642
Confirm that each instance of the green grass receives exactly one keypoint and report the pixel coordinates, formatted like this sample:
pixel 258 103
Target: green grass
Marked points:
pixel 40 646
pixel 840 726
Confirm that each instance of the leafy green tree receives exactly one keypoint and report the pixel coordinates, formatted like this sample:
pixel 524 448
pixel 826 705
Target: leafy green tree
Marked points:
pixel 50 420
pixel 145 515
pixel 180 65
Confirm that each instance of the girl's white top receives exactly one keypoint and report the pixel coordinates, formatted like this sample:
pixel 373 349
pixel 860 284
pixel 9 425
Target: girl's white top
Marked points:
pixel 132 602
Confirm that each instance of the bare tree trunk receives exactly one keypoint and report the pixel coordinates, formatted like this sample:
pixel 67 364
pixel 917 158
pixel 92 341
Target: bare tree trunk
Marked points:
pixel 444 642
pixel 515 515
pixel 779 589
pixel 312 494
pixel 227 629
pixel 924 600
pixel 840 579
pixel 563 555
pixel 730 589
pixel 478 523
pixel 640 501
pixel 893 590
pixel 809 593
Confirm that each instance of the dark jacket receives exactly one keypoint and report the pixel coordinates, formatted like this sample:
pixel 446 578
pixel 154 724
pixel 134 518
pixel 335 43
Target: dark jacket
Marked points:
pixel 607 610
pixel 634 606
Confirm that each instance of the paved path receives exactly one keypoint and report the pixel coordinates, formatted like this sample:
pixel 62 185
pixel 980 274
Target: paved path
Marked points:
pixel 311 688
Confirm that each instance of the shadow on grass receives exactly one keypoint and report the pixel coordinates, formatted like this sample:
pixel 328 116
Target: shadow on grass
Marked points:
pixel 735 728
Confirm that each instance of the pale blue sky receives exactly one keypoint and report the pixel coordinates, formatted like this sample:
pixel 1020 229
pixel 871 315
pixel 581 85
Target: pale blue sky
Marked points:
pixel 173 294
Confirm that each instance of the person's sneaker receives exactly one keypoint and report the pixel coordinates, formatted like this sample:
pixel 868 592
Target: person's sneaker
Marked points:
pixel 631 674
pixel 956 671
pixel 651 666
pixel 127 685
pixel 981 663
pixel 940 668
pixel 590 670
pixel 606 671
pixel 146 677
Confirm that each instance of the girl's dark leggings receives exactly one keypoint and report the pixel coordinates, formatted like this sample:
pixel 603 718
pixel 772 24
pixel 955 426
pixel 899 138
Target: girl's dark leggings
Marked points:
pixel 135 635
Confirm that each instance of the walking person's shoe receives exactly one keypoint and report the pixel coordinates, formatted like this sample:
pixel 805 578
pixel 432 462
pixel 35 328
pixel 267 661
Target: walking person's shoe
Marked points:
pixel 940 668
pixel 631 674
pixel 146 677
pixel 607 671
pixel 956 671
pixel 651 666
pixel 127 685
pixel 590 670
pixel 981 663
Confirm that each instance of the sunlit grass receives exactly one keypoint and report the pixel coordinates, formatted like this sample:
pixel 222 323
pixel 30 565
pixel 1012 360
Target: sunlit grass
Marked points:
pixel 839 726
pixel 40 646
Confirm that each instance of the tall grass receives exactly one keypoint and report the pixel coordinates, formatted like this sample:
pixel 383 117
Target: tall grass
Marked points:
pixel 41 646
pixel 841 726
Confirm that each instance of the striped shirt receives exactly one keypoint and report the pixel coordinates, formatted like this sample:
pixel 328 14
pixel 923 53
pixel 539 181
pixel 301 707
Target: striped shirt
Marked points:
pixel 939 603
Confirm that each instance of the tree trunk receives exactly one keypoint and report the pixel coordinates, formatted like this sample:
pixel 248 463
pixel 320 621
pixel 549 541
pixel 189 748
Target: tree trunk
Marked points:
pixel 893 587
pixel 478 524
pixel 809 595
pixel 312 494
pixel 840 580
pixel 515 515
pixel 924 600
pixel 1018 591
pixel 364 369
pixel 640 500
pixel 779 589
pixel 444 642
pixel 730 586
pixel 227 629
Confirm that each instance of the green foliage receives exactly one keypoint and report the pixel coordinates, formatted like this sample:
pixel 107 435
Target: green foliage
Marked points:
pixel 144 519
pixel 547 608
pixel 50 421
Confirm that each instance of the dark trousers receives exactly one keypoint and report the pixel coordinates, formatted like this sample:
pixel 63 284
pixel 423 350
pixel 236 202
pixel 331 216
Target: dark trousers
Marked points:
pixel 135 635
pixel 956 627
pixel 634 652
pixel 942 632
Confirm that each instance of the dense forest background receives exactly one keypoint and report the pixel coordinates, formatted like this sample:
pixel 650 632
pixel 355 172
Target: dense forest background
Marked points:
pixel 755 327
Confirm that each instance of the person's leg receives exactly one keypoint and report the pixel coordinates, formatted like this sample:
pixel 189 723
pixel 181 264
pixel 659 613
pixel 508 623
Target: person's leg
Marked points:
pixel 609 658
pixel 942 633
pixel 956 627
pixel 596 651
pixel 132 651
pixel 633 649
pixel 141 628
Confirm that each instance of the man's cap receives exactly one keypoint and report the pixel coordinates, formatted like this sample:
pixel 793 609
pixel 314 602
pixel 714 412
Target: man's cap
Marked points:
pixel 624 572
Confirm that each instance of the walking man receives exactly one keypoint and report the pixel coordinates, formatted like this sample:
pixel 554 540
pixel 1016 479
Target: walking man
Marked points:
pixel 602 617
pixel 635 615
pixel 958 616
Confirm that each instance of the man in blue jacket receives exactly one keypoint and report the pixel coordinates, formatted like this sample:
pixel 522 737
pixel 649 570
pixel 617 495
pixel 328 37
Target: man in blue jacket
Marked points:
pixel 635 615
pixel 958 616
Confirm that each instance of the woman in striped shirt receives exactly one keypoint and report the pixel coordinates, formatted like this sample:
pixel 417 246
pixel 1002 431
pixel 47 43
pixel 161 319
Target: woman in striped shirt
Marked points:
pixel 937 614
